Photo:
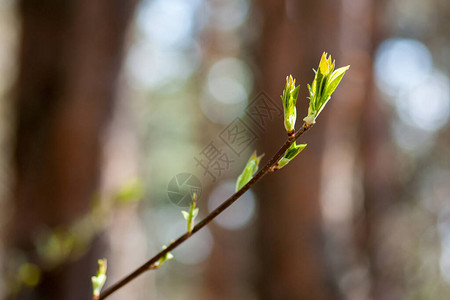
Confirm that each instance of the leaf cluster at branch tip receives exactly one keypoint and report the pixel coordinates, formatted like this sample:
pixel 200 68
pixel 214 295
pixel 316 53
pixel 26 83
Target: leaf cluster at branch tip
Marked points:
pixel 324 84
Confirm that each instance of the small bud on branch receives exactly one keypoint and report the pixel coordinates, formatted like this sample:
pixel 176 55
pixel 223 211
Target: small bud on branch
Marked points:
pixel 191 214
pixel 99 280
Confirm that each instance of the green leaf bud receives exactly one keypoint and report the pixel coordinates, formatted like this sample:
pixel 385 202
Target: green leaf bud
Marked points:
pixel 289 98
pixel 191 214
pixel 99 280
pixel 163 259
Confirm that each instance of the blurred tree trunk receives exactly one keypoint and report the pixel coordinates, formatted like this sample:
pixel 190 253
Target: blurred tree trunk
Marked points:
pixel 379 181
pixel 380 185
pixel 70 59
pixel 292 261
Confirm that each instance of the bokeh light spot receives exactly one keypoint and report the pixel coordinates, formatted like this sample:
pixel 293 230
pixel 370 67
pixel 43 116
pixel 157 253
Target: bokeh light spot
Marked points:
pixel 400 64
pixel 229 84
pixel 426 105
pixel 230 14
pixel 168 23
pixel 237 215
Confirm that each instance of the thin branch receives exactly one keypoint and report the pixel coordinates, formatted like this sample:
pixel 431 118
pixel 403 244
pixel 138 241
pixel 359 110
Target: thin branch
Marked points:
pixel 149 265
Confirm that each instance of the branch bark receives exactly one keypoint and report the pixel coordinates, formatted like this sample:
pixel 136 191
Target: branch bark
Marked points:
pixel 149 264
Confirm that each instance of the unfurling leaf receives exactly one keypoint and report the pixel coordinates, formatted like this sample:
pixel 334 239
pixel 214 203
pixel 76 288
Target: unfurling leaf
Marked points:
pixel 324 84
pixel 249 171
pixel 289 155
pixel 289 98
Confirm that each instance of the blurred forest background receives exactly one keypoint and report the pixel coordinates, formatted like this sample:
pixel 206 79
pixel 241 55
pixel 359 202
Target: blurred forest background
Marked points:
pixel 103 102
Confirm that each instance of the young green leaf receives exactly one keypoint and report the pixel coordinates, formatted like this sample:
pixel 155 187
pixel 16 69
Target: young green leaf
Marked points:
pixel 250 169
pixel 289 155
pixel 324 84
pixel 335 79
pixel 191 214
pixel 99 280
pixel 289 98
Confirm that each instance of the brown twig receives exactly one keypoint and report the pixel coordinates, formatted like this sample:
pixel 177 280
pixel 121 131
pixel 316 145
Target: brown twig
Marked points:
pixel 148 265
